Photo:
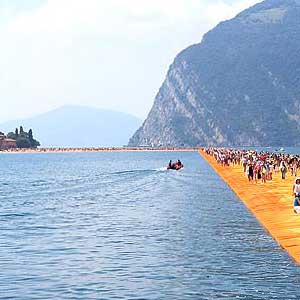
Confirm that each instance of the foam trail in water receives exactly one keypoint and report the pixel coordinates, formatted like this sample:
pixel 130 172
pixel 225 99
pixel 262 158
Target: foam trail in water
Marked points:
pixel 134 171
pixel 161 169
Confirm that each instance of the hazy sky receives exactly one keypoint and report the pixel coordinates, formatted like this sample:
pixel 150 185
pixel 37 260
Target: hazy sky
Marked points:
pixel 105 53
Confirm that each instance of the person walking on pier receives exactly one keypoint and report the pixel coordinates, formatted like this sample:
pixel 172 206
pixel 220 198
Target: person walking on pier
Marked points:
pixel 250 171
pixel 244 163
pixel 294 166
pixel 297 205
pixel 283 169
pixel 271 169
pixel 296 192
pixel 264 174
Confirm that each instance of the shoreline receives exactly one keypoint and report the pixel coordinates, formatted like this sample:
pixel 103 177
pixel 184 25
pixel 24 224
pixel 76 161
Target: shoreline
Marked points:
pixel 270 203
pixel 100 149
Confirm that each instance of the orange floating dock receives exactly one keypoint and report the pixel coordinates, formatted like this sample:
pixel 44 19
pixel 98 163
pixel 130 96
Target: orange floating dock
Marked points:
pixel 271 203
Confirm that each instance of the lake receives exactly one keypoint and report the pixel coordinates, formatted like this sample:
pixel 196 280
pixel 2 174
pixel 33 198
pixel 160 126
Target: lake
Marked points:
pixel 119 226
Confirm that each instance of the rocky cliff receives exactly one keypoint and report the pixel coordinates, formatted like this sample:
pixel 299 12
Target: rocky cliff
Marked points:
pixel 239 86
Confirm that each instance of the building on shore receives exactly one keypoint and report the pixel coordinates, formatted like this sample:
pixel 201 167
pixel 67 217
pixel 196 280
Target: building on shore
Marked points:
pixel 6 143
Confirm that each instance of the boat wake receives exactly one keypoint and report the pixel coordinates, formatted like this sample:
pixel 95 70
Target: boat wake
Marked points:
pixel 162 169
pixel 140 171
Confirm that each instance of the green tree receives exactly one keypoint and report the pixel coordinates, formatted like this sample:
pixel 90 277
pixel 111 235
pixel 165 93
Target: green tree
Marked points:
pixel 11 135
pixel 23 143
pixel 35 144
pixel 21 131
pixel 24 139
pixel 30 135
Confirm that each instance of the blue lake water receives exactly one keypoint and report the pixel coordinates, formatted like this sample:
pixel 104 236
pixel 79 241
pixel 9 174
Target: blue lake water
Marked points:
pixel 116 226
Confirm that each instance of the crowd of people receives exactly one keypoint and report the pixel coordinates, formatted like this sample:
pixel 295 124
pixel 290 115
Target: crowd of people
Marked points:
pixel 260 166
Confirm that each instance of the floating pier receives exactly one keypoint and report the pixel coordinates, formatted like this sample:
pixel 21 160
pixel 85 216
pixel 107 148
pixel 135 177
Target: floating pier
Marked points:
pixel 271 203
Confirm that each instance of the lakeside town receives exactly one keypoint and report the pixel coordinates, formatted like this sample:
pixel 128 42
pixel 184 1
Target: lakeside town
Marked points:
pixel 19 139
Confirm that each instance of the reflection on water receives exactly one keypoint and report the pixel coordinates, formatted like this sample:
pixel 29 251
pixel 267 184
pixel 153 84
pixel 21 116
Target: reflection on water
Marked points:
pixel 119 226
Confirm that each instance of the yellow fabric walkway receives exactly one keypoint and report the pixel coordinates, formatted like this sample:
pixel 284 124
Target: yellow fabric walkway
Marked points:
pixel 271 203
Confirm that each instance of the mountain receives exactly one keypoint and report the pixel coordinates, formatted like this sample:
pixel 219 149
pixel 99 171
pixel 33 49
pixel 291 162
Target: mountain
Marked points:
pixel 79 126
pixel 239 87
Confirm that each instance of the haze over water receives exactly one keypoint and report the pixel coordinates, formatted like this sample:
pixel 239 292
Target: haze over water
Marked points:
pixel 119 226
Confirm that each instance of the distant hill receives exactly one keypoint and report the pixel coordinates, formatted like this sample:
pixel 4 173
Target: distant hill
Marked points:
pixel 240 86
pixel 79 126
